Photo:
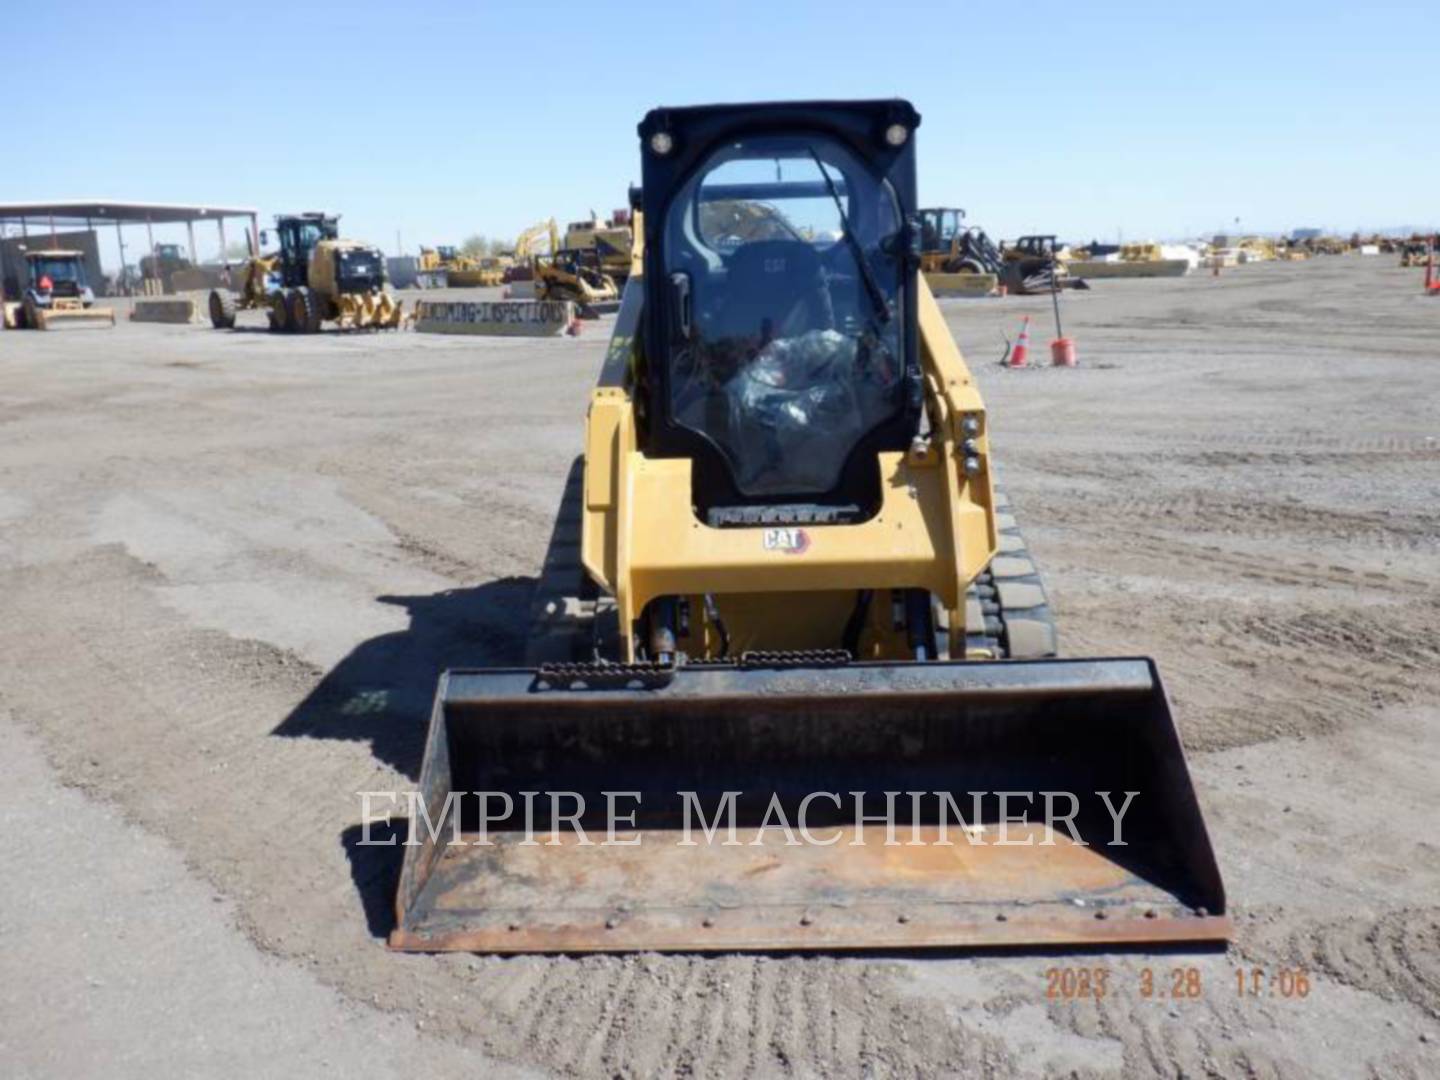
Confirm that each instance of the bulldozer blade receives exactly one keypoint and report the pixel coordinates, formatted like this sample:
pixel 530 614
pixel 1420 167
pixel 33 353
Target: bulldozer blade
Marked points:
pixel 74 318
pixel 876 805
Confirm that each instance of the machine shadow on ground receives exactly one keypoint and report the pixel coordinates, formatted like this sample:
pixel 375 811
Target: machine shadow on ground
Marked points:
pixel 382 691
pixel 375 862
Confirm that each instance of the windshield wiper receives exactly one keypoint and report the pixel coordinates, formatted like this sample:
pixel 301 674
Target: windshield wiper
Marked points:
pixel 872 288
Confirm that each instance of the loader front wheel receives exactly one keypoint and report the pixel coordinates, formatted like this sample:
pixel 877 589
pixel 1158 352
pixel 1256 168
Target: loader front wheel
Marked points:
pixel 280 312
pixel 222 310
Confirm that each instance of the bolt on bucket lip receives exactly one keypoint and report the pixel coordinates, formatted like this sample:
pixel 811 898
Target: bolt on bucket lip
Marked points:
pixel 1015 721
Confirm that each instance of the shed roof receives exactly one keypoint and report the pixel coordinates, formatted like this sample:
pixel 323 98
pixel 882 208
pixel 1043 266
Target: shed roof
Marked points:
pixel 74 211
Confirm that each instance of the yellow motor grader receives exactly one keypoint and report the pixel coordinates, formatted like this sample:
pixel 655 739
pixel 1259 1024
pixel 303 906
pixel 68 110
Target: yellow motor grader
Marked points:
pixel 313 278
pixel 792 681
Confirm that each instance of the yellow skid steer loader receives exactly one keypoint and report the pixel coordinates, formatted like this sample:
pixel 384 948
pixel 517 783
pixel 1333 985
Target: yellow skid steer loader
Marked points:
pixel 793 682
pixel 56 295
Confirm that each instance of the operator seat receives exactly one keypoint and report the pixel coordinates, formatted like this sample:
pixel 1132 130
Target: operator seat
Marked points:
pixel 774 288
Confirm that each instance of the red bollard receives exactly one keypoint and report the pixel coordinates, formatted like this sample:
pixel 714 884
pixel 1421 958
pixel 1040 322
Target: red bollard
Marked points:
pixel 1062 352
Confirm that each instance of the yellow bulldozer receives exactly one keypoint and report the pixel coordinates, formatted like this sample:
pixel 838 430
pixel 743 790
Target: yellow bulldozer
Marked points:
pixel 313 278
pixel 56 295
pixel 792 681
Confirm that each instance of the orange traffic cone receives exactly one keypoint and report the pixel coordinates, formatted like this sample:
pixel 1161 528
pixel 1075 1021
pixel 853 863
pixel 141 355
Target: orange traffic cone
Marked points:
pixel 1020 354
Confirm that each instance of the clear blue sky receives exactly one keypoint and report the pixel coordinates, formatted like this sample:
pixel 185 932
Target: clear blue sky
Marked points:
pixel 447 118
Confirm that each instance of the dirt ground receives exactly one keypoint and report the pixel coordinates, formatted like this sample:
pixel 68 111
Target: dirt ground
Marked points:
pixel 233 564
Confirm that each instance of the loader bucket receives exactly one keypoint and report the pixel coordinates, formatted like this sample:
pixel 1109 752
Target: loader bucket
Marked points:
pixel 747 832
pixel 74 318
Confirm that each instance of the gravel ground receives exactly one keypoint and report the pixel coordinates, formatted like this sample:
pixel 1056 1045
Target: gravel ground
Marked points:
pixel 234 563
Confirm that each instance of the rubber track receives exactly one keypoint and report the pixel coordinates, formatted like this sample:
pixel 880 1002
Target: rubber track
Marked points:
pixel 1011 597
pixel 568 620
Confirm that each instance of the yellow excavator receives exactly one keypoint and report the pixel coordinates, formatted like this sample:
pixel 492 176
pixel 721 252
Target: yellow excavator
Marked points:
pixel 522 256
pixel 792 682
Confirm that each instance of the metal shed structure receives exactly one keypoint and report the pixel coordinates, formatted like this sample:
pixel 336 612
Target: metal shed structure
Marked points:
pixel 47 220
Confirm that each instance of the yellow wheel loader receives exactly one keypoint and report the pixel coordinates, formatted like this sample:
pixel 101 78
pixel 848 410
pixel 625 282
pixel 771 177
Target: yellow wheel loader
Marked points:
pixel 793 682
pixel 56 295
pixel 315 277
